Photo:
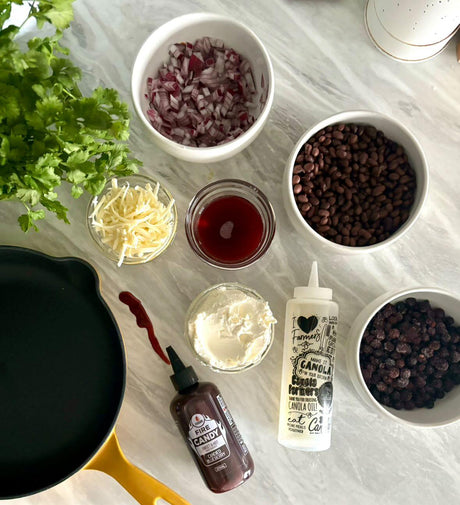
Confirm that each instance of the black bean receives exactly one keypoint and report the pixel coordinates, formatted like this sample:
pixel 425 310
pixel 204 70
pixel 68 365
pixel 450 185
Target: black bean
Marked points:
pixel 302 198
pixel 367 170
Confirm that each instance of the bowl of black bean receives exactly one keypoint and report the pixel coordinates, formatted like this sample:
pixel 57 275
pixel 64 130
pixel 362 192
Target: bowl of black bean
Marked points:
pixel 403 356
pixel 356 182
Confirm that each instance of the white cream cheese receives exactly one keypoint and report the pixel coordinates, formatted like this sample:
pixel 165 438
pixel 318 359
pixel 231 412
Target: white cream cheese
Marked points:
pixel 231 328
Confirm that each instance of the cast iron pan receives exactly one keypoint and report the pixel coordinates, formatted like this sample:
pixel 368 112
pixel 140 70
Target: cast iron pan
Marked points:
pixel 62 375
pixel 62 369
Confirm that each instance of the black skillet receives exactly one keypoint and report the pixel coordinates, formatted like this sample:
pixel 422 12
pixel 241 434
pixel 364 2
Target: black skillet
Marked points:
pixel 62 378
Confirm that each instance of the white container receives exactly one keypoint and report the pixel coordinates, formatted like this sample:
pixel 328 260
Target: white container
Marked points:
pixel 447 409
pixel 308 367
pixel 392 129
pixel 412 30
pixel 190 27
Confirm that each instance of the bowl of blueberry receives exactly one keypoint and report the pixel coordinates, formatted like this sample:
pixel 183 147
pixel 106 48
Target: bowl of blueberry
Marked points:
pixel 403 356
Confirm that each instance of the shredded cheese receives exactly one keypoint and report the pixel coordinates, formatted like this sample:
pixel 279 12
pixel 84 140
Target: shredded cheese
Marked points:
pixel 132 221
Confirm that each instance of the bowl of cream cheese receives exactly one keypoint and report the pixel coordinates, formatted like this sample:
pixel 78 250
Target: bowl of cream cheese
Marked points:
pixel 230 327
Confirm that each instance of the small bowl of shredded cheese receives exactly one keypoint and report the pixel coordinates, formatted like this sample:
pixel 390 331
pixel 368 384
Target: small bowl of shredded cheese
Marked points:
pixel 133 220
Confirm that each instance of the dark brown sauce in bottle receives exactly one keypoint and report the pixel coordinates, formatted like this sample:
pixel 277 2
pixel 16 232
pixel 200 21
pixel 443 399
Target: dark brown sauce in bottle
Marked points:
pixel 209 430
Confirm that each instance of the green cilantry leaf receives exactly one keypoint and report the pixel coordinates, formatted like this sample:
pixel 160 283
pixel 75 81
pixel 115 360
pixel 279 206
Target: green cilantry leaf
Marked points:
pixel 56 207
pixel 77 191
pixel 49 133
pixel 65 74
pixel 9 102
pixel 57 12
pixel 30 196
pixel 49 109
pixel 27 221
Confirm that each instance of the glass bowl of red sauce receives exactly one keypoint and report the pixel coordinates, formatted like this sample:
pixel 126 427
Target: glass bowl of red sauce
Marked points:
pixel 230 224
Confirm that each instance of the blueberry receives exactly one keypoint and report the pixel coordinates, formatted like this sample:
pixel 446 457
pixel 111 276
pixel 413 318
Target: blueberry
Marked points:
pixel 410 354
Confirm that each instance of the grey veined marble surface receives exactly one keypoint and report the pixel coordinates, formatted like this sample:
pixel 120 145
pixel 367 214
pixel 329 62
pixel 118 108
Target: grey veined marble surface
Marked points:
pixel 324 63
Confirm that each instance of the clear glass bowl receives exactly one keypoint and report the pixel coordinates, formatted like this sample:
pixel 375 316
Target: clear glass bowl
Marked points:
pixel 219 190
pixel 201 302
pixel 164 196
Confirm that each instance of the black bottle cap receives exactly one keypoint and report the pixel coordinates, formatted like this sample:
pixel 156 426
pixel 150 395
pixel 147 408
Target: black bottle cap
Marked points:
pixel 183 376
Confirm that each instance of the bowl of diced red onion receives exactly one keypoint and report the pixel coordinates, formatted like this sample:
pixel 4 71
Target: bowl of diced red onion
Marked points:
pixel 203 85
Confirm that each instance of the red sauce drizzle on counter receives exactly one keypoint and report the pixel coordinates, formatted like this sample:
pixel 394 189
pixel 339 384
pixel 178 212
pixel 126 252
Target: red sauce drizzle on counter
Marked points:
pixel 143 321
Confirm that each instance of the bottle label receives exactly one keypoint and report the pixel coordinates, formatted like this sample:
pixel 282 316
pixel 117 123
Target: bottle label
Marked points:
pixel 312 351
pixel 232 424
pixel 208 439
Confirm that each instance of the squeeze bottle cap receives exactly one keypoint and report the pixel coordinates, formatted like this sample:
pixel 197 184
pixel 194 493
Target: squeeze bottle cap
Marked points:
pixel 183 376
pixel 313 290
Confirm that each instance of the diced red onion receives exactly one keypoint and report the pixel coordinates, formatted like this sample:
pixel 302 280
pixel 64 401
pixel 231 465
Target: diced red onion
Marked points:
pixel 203 95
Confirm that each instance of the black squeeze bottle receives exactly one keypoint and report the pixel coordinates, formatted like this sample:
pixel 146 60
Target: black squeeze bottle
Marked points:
pixel 208 429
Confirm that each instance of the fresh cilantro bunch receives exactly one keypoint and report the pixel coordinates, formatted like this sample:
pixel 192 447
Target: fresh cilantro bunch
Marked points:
pixel 49 132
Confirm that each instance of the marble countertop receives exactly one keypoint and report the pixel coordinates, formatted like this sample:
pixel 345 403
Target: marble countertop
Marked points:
pixel 324 63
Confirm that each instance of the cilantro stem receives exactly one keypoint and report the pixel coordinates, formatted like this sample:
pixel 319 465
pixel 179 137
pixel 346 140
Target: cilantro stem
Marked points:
pixel 32 5
pixel 68 93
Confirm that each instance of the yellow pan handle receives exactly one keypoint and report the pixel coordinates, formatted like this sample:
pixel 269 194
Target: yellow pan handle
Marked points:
pixel 145 489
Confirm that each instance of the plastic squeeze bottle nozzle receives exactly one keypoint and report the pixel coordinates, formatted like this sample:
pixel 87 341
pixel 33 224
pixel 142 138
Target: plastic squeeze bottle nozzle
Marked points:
pixel 308 367
pixel 208 429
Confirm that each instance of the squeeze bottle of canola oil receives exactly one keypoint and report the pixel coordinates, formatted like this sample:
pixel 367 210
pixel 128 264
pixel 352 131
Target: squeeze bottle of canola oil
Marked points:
pixel 308 367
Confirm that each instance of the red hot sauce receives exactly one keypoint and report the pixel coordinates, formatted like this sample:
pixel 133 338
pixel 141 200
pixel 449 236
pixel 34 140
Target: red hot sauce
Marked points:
pixel 143 321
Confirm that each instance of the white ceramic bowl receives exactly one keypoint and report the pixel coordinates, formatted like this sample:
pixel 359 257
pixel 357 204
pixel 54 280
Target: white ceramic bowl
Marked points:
pixel 392 129
pixel 445 410
pixel 189 28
